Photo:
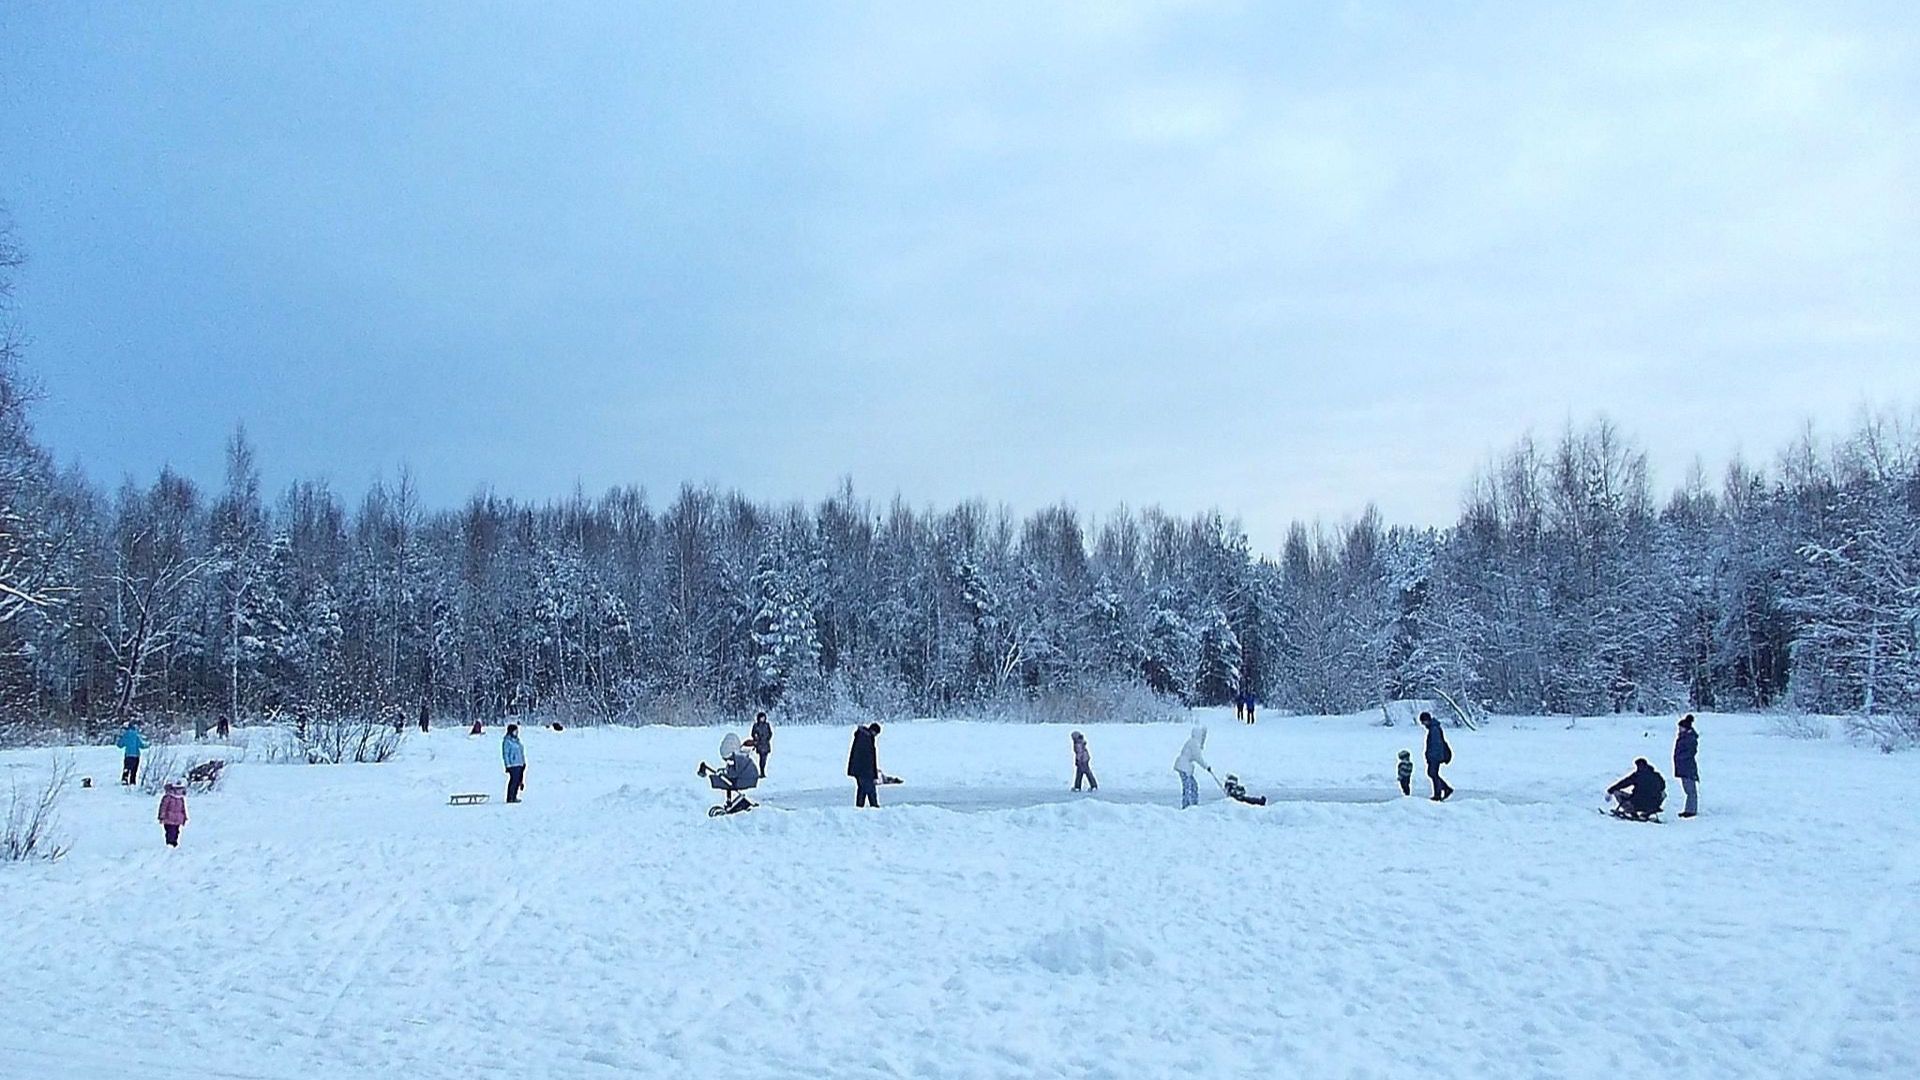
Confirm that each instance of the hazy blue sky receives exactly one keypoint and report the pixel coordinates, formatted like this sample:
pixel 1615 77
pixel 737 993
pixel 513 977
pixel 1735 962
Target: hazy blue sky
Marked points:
pixel 1269 258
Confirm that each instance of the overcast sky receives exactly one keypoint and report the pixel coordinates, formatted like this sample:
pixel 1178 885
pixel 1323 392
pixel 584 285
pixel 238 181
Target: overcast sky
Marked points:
pixel 1261 257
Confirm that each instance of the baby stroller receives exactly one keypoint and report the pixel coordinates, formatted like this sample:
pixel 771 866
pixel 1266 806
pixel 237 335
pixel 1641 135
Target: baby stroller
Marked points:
pixel 736 775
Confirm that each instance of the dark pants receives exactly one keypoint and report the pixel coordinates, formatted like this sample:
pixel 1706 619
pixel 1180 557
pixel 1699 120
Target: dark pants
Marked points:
pixel 1081 772
pixel 173 835
pixel 1441 789
pixel 866 791
pixel 762 755
pixel 516 775
pixel 1406 785
pixel 130 769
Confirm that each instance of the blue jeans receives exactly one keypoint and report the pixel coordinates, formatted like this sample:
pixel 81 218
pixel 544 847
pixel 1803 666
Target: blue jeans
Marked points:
pixel 1189 791
pixel 1692 788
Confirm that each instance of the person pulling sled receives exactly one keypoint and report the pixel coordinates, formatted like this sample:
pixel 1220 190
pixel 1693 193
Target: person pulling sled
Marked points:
pixel 735 776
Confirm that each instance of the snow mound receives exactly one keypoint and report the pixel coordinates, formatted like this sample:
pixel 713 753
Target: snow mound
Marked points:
pixel 1086 950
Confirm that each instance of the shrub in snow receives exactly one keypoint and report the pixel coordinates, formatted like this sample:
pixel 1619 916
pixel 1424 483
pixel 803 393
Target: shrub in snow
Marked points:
pixel 32 816
pixel 347 738
pixel 1886 732
pixel 1092 703
pixel 159 766
pixel 1800 726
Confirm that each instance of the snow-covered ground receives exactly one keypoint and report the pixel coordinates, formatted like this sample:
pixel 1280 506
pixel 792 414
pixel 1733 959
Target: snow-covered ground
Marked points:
pixel 345 922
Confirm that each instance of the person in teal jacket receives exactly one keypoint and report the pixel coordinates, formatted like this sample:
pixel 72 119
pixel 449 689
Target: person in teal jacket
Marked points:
pixel 131 743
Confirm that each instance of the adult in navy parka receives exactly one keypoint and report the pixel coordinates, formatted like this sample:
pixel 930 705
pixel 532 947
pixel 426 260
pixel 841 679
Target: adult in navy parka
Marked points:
pixel 863 764
pixel 1686 764
pixel 1438 754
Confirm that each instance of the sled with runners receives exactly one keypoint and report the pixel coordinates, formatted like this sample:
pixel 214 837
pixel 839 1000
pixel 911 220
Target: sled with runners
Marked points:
pixel 467 799
pixel 1632 815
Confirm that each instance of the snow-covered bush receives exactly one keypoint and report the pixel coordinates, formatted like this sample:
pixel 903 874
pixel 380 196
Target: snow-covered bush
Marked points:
pixel 1094 703
pixel 28 832
pixel 1799 725
pixel 1886 732
pixel 159 766
pixel 347 738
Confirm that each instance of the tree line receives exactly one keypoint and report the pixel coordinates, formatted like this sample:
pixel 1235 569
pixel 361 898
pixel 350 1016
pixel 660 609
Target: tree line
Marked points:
pixel 1565 586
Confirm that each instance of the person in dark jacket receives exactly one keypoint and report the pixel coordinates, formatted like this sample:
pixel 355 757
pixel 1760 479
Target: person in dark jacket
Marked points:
pixel 863 764
pixel 761 739
pixel 1686 764
pixel 426 716
pixel 1642 791
pixel 1438 754
pixel 1405 770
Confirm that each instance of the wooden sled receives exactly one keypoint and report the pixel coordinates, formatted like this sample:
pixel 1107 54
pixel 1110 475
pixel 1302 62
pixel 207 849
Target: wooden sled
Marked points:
pixel 466 800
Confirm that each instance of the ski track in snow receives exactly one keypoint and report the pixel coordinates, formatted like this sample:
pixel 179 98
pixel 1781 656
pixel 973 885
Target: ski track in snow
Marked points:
pixel 344 922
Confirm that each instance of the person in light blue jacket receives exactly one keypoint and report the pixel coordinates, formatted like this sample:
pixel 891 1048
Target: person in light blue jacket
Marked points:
pixel 515 757
pixel 130 744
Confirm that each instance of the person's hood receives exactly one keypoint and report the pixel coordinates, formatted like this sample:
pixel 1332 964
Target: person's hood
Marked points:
pixel 176 789
pixel 1200 734
pixel 730 745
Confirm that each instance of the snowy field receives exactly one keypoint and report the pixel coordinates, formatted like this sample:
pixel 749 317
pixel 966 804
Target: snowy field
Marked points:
pixel 345 922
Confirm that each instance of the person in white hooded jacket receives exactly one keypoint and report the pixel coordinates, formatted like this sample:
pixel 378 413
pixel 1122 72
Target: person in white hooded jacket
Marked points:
pixel 1192 754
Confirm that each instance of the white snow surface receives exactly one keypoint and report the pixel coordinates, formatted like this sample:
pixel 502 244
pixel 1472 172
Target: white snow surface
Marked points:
pixel 985 922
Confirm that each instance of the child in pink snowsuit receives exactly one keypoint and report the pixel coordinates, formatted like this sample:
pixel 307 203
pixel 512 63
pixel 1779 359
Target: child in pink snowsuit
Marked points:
pixel 173 812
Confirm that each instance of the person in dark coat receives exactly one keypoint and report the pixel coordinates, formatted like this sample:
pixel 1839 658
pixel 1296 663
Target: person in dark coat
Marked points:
pixel 426 716
pixel 1642 791
pixel 761 739
pixel 1686 764
pixel 1438 754
pixel 863 764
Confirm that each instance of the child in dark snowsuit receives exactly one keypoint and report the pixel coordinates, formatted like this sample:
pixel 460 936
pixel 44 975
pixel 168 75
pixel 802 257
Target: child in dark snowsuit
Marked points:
pixel 173 812
pixel 1406 772
pixel 1237 791
pixel 1083 764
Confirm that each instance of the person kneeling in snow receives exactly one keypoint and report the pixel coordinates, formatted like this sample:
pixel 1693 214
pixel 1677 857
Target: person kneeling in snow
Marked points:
pixel 735 775
pixel 1237 791
pixel 1640 793
pixel 1192 754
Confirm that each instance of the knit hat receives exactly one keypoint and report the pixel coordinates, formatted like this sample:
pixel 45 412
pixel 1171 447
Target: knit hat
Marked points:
pixel 1686 721
pixel 1406 755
